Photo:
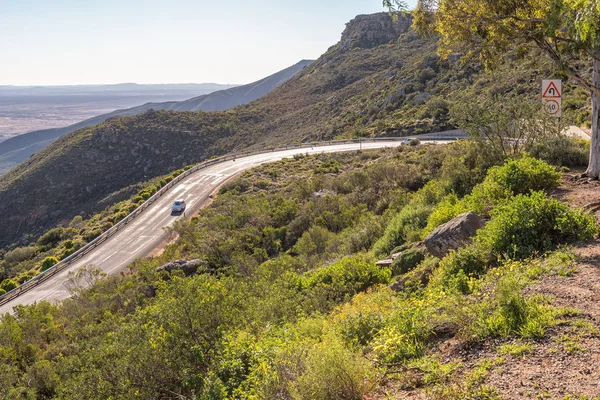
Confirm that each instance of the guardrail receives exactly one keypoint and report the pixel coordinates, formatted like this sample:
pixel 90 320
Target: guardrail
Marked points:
pixel 56 268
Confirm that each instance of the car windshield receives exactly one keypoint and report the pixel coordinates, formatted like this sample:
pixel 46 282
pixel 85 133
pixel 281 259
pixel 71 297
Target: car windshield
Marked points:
pixel 178 203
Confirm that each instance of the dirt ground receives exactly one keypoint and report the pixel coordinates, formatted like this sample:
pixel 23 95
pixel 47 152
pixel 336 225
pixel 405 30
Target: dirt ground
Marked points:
pixel 566 364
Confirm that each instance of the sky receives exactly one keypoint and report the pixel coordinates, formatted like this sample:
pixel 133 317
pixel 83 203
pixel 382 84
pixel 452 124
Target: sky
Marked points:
pixel 70 42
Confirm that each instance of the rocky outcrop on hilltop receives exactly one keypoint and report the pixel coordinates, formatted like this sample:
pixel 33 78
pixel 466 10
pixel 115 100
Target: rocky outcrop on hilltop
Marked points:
pixel 368 31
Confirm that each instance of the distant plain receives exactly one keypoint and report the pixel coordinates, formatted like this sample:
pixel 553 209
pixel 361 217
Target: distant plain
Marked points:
pixel 25 109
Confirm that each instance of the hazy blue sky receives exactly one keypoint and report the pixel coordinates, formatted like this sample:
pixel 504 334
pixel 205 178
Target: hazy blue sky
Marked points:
pixel 45 42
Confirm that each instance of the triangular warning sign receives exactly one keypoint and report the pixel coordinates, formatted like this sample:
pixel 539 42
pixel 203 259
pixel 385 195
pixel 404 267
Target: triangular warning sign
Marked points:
pixel 551 92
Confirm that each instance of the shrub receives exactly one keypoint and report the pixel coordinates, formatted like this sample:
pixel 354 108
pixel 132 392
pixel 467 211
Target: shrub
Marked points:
pixel 562 151
pixel 91 235
pixel 20 254
pixel 50 238
pixel 414 142
pixel 48 262
pixel 405 334
pixel 361 319
pixel 514 177
pixel 341 280
pixel 508 312
pixel 333 372
pixel 524 175
pixel 404 226
pixel 457 270
pixel 8 285
pixel 313 242
pixel 407 260
pixel 25 276
pixel 534 224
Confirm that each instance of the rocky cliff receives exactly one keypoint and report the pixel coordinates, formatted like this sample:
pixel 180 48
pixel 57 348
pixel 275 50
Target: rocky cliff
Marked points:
pixel 368 31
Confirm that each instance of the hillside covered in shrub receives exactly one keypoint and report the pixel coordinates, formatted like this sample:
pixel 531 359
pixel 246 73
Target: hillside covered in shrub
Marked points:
pixel 287 301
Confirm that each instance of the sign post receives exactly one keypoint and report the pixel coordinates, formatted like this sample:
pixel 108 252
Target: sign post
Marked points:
pixel 552 97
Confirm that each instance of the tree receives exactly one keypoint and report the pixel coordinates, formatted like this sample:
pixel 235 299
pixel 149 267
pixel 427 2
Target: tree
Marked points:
pixel 506 130
pixel 567 31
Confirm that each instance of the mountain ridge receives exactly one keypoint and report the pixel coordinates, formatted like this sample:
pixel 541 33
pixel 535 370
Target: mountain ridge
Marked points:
pixel 19 148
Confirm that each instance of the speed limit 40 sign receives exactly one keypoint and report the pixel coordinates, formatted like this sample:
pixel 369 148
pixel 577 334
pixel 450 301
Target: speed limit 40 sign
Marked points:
pixel 552 97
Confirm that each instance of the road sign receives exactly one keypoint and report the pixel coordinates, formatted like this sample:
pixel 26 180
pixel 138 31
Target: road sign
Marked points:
pixel 552 97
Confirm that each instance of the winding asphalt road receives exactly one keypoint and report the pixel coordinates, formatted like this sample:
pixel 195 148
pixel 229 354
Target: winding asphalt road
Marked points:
pixel 146 231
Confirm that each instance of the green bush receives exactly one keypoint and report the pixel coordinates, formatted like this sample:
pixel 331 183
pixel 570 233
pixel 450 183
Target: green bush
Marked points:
pixel 91 235
pixel 8 285
pixel 25 276
pixel 404 226
pixel 333 372
pixel 513 177
pixel 524 175
pixel 51 238
pixel 405 334
pixel 526 225
pixel 407 260
pixel 313 242
pixel 48 262
pixel 458 268
pixel 20 254
pixel 508 312
pixel 562 151
pixel 341 280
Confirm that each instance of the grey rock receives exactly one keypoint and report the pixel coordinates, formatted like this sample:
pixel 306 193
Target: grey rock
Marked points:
pixel 453 234
pixel 367 31
pixel 188 267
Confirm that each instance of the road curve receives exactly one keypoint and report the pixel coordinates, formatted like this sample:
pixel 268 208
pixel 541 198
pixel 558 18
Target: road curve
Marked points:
pixel 139 237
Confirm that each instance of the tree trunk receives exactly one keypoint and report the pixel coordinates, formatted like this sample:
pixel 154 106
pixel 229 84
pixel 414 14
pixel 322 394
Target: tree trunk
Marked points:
pixel 593 170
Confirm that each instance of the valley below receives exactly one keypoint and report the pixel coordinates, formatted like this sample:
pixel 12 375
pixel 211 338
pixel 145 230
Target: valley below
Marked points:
pixel 26 109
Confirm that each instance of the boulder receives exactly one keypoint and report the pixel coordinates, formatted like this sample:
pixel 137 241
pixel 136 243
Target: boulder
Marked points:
pixel 188 267
pixel 453 234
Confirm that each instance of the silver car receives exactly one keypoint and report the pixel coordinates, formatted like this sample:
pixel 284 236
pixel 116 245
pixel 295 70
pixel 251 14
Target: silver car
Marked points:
pixel 178 206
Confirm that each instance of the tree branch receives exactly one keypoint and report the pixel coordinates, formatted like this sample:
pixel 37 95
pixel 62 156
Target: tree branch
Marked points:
pixel 555 56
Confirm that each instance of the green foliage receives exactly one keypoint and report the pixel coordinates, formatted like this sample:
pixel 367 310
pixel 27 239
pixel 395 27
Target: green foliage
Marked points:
pixel 332 371
pixel 313 242
pixel 48 262
pixel 407 260
pixel 266 318
pixel 459 268
pixel 20 254
pixel 405 333
pixel 508 312
pixel 514 177
pixel 526 225
pixel 523 175
pixel 8 285
pixel 405 226
pixel 517 349
pixel 562 151
pixel 342 279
